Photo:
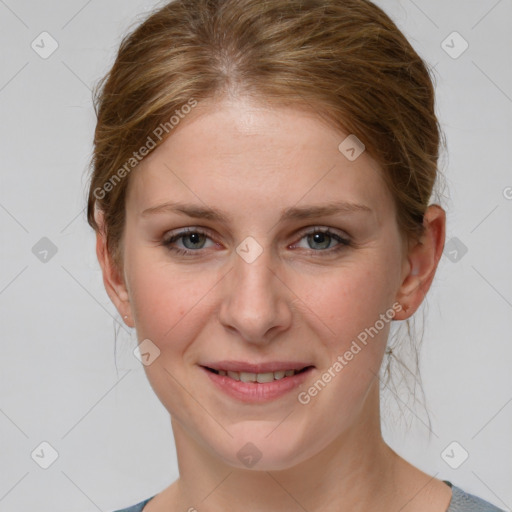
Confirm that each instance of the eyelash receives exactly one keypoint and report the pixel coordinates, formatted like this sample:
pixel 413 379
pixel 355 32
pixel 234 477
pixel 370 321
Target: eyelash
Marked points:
pixel 343 242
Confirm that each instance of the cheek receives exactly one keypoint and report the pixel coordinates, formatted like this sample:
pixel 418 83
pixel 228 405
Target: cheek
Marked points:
pixel 351 302
pixel 347 300
pixel 167 299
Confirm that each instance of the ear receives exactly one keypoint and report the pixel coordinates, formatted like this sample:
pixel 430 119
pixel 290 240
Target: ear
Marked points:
pixel 421 263
pixel 114 283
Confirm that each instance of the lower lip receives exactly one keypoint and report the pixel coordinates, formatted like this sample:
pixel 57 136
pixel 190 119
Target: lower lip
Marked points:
pixel 256 392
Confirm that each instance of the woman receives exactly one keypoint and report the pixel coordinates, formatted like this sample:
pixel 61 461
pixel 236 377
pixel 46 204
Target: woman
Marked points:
pixel 260 193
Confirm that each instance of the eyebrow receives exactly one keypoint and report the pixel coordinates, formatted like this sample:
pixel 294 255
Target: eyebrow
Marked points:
pixel 291 213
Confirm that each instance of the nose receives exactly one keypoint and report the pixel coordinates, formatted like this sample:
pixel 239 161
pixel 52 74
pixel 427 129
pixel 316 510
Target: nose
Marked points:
pixel 255 300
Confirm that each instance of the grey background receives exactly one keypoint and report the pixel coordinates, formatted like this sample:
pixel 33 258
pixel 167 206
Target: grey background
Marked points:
pixel 58 378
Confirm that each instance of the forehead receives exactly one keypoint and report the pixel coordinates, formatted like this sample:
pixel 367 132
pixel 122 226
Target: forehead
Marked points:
pixel 237 148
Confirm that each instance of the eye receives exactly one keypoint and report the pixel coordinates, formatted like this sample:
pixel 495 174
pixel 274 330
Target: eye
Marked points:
pixel 320 240
pixel 192 240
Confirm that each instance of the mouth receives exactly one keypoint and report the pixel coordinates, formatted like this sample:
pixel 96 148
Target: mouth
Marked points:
pixel 257 383
pixel 260 377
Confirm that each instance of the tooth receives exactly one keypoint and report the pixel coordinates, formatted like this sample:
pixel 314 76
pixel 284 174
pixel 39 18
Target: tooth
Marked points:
pixel 247 377
pixel 265 377
pixel 258 377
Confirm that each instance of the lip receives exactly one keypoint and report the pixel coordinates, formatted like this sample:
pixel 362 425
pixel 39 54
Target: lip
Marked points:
pixel 242 366
pixel 256 392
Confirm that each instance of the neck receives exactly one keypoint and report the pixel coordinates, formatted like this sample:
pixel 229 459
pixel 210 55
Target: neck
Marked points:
pixel 356 472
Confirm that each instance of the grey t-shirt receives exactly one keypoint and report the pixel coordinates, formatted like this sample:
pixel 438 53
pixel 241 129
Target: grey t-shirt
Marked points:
pixel 461 502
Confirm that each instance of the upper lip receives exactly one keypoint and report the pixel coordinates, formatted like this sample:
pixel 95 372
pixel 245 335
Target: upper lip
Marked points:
pixel 242 366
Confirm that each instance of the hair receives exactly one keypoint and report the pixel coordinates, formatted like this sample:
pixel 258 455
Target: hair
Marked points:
pixel 345 59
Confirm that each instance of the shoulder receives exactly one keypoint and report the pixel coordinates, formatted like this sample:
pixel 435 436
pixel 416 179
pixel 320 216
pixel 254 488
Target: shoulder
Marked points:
pixel 136 508
pixel 462 501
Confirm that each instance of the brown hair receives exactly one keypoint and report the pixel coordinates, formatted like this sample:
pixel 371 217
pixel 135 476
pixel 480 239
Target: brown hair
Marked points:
pixel 344 58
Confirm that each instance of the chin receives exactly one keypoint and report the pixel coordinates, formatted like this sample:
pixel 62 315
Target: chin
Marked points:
pixel 263 452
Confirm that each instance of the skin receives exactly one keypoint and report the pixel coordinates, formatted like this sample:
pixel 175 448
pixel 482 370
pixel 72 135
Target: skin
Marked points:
pixel 299 300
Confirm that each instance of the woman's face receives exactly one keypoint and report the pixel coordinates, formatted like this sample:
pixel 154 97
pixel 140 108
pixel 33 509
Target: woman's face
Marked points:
pixel 252 284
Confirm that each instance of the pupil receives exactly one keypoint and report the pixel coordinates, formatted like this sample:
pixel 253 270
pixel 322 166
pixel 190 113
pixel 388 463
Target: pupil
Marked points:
pixel 193 239
pixel 322 239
